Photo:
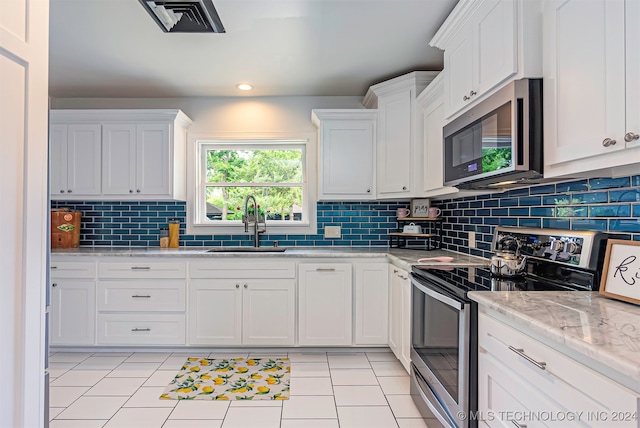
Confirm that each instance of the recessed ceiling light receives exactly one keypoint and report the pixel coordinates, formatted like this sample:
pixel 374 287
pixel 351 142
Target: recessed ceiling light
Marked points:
pixel 244 86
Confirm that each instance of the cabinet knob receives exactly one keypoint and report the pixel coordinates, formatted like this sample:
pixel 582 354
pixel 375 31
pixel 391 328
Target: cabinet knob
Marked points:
pixel 395 271
pixel 404 187
pixel 608 142
pixel 245 285
pixel 54 285
pixel 237 285
pixel 61 191
pixel 630 136
pixel 130 191
pixel 472 93
pixel 369 190
pixel 69 191
pixel 138 191
pixel 465 98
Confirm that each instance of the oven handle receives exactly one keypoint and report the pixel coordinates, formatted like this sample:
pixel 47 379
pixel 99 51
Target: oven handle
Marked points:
pixel 438 296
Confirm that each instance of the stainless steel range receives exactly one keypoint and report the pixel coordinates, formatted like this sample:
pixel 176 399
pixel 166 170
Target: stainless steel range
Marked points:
pixel 444 349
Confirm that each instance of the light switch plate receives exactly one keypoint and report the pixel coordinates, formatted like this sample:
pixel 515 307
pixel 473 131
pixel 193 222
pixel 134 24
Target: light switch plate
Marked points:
pixel 332 232
pixel 472 240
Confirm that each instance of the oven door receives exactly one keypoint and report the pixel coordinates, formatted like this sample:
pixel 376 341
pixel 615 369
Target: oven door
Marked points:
pixel 440 351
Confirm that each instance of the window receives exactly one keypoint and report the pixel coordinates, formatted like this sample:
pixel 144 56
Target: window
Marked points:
pixel 273 171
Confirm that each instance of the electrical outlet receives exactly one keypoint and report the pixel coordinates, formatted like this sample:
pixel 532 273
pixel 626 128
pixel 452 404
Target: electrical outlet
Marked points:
pixel 332 232
pixel 472 240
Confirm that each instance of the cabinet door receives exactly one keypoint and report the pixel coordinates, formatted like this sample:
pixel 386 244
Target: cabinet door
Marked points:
pixel 372 303
pixel 118 159
pixel 83 160
pixel 268 312
pixel 73 313
pixel 433 152
pixel 400 316
pixel 58 160
pixel 347 160
pixel 152 159
pixel 405 323
pixel 495 37
pixel 393 169
pixel 584 90
pixel 325 304
pixel 632 40
pixel 215 312
pixel 458 73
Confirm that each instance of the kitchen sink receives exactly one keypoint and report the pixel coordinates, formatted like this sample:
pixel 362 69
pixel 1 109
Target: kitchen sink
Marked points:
pixel 247 250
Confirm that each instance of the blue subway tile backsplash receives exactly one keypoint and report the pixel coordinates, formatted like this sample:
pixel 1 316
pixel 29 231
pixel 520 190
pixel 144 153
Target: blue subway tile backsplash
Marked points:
pixel 614 207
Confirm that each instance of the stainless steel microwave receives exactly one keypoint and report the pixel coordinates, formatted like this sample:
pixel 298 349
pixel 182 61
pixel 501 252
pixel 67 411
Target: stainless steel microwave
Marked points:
pixel 499 142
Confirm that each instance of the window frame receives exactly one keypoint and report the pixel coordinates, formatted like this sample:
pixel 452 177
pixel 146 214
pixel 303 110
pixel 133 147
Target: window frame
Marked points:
pixel 196 180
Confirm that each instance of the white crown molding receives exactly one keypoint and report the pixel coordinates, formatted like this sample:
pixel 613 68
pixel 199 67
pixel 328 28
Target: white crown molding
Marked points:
pixel 434 90
pixel 119 115
pixel 458 17
pixel 342 114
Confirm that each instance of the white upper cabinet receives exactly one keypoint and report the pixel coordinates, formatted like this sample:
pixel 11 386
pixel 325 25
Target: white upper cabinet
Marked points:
pixel 399 148
pixel 487 43
pixel 137 154
pixel 432 102
pixel 591 85
pixel 133 156
pixel 347 153
pixel 75 160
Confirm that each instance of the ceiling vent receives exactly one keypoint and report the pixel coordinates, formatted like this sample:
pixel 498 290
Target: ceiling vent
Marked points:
pixel 184 16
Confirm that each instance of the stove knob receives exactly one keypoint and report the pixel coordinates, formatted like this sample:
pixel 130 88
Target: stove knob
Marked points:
pixel 573 248
pixel 557 245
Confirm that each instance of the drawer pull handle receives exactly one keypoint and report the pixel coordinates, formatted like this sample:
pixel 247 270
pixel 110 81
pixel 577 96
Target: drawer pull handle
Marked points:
pixel 539 364
pixel 54 267
pixel 140 268
pixel 140 329
pixel 141 296
pixel 325 269
pixel 517 424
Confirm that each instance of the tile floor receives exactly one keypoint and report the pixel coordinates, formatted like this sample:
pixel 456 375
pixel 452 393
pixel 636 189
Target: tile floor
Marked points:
pixel 346 390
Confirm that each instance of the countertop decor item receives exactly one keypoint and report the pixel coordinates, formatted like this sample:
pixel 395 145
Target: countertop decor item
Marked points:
pixel 621 271
pixel 174 233
pixel 231 379
pixel 419 207
pixel 65 228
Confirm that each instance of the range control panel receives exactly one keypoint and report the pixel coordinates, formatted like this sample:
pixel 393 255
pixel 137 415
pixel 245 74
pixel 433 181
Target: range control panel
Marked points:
pixel 569 247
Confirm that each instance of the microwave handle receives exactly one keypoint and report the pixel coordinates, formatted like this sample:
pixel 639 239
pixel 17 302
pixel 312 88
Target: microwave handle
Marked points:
pixel 440 297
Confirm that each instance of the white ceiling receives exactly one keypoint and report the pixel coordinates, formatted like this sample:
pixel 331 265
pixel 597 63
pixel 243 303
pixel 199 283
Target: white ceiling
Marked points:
pixel 113 48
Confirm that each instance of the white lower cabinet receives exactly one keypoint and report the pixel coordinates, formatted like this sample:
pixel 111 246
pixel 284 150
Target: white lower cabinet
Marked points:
pixel 141 329
pixel 324 304
pixel 520 376
pixel 73 303
pixel 239 307
pixel 371 303
pixel 400 315
pixel 73 312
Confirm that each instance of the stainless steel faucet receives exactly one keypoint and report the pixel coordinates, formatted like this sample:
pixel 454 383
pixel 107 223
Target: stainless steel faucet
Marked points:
pixel 256 219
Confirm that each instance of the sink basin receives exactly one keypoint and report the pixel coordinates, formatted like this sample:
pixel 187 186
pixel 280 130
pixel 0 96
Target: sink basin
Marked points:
pixel 247 250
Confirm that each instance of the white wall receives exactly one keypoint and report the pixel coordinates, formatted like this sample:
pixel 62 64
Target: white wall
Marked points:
pixel 228 114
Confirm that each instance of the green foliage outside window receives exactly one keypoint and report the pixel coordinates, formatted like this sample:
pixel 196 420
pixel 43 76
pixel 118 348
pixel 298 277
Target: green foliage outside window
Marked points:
pixel 273 176
pixel 494 159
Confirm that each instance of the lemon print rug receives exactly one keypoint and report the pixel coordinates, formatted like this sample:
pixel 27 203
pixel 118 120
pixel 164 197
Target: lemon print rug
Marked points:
pixel 231 379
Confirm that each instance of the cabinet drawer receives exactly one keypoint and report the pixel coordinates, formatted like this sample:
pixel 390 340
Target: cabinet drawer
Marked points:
pixel 242 269
pixel 147 296
pixel 564 380
pixel 73 270
pixel 141 329
pixel 142 269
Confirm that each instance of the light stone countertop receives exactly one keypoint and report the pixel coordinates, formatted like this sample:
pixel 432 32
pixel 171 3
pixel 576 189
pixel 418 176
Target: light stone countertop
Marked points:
pixel 401 258
pixel 586 324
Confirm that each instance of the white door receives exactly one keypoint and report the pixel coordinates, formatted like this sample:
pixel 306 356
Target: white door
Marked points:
pixel 58 160
pixel 405 323
pixel 152 159
pixel 394 144
pixel 433 123
pixel 584 75
pixel 325 301
pixel 215 312
pixel 395 311
pixel 372 303
pixel 458 80
pixel 632 15
pixel 24 37
pixel 73 312
pixel 268 312
pixel 83 160
pixel 347 159
pixel 118 159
